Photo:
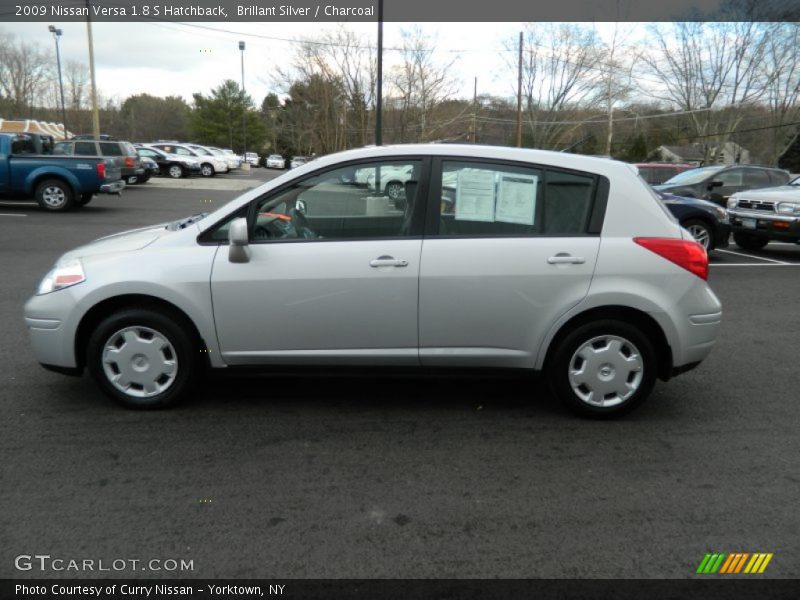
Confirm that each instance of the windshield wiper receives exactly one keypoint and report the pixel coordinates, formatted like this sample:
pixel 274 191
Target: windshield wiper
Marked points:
pixel 184 223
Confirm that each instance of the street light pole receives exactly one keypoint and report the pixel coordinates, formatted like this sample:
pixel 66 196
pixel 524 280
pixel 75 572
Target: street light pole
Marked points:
pixel 95 112
pixel 57 36
pixel 244 112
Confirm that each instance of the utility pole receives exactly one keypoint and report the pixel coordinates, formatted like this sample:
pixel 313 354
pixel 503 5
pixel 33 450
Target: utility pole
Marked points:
pixel 95 113
pixel 57 35
pixel 475 112
pixel 379 100
pixel 519 95
pixel 244 114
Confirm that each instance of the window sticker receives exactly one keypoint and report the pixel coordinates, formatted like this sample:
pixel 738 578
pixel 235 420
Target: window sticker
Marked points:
pixel 516 199
pixel 475 195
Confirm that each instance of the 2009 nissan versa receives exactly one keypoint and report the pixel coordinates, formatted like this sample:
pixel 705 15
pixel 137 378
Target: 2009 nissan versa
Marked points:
pixel 499 257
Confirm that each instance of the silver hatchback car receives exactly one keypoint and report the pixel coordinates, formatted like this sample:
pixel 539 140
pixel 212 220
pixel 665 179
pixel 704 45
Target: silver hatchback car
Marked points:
pixel 498 258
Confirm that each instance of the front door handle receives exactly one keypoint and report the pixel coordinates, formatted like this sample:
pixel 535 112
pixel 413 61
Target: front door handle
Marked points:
pixel 388 261
pixel 566 259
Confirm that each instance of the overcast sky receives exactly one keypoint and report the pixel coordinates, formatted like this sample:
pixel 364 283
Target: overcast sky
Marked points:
pixel 182 58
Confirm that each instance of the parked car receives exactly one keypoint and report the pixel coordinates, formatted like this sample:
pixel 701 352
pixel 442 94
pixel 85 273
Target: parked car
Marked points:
pixel 251 158
pixel 229 155
pixel 656 173
pixel 57 183
pixel 275 161
pixel 717 183
pixel 552 262
pixel 90 136
pixel 231 162
pixel 760 216
pixel 171 165
pixel 297 161
pixel 707 222
pixel 123 152
pixel 150 168
pixel 210 165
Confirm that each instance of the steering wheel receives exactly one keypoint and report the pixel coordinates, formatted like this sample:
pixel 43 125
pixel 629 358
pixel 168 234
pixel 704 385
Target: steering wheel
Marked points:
pixel 262 232
pixel 301 224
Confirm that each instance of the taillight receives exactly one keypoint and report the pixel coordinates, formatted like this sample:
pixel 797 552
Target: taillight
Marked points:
pixel 130 162
pixel 684 253
pixel 101 170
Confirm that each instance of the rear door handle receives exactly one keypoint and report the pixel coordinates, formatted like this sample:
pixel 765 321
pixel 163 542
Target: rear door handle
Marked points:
pixel 566 259
pixel 388 261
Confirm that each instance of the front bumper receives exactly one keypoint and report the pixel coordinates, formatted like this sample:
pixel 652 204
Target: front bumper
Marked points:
pixel 115 187
pixel 769 225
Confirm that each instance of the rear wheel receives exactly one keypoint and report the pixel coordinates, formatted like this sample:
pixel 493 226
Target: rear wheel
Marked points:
pixel 176 171
pixel 143 358
pixel 84 199
pixel 132 179
pixel 54 195
pixel 701 232
pixel 748 241
pixel 395 190
pixel 603 368
pixel 207 170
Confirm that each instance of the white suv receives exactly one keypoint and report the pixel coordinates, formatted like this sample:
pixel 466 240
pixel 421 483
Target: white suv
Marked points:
pixel 523 259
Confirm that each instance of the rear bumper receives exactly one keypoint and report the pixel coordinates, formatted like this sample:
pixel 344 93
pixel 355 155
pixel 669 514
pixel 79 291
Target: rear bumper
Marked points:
pixel 115 187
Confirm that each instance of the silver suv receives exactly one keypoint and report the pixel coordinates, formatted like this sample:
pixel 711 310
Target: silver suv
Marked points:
pixel 522 259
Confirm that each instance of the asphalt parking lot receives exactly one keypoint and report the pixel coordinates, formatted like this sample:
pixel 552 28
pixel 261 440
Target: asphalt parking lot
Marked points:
pixel 407 477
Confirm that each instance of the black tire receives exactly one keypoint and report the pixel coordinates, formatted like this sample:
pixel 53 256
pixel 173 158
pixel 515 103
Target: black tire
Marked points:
pixel 142 361
pixel 84 199
pixel 54 195
pixel 176 171
pixel 144 178
pixel 207 170
pixel 748 241
pixel 702 232
pixel 565 363
pixel 132 179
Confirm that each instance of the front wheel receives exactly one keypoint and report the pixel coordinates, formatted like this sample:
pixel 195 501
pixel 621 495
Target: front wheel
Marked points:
pixel 748 241
pixel 207 170
pixel 132 179
pixel 54 195
pixel 143 358
pixel 701 233
pixel 603 368
pixel 396 191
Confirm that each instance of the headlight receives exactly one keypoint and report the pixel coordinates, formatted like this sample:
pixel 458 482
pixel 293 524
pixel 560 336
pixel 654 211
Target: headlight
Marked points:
pixel 788 208
pixel 721 213
pixel 731 203
pixel 62 276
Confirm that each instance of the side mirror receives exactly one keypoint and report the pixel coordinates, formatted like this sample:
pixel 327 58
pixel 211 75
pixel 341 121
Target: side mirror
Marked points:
pixel 715 184
pixel 239 248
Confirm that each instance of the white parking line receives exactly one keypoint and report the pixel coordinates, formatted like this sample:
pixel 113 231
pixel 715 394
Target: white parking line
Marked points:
pixel 785 264
pixel 772 260
pixel 12 215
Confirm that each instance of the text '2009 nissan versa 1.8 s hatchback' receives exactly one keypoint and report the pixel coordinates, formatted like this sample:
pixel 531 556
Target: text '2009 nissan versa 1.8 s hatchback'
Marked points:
pixel 498 258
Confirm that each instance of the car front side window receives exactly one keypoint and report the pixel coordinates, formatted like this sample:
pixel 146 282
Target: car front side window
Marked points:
pixel 364 201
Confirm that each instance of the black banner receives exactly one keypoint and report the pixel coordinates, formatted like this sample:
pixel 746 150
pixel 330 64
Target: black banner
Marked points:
pixel 732 588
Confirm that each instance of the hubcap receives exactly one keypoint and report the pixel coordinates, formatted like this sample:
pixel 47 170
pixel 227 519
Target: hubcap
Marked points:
pixel 175 172
pixel 140 362
pixel 394 191
pixel 54 196
pixel 207 171
pixel 606 370
pixel 701 235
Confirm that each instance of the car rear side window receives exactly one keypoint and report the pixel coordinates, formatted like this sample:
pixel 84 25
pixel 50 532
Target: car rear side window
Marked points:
pixel 492 200
pixel 110 149
pixel 85 149
pixel 755 178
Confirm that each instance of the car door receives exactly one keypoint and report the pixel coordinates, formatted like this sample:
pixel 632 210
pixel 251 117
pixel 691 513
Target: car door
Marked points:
pixel 332 278
pixel 508 249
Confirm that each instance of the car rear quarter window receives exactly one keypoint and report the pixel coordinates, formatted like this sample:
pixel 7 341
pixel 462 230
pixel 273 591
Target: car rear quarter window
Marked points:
pixel 86 149
pixel 755 178
pixel 110 149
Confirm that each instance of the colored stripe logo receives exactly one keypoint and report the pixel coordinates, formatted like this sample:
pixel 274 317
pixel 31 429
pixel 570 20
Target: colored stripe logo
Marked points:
pixel 734 563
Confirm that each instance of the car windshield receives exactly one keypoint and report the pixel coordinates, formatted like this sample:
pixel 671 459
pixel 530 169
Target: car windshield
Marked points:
pixel 693 175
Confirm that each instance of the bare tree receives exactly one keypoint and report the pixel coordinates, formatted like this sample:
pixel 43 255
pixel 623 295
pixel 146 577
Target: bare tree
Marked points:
pixel 713 71
pixel 781 60
pixel 560 76
pixel 76 82
pixel 420 84
pixel 25 73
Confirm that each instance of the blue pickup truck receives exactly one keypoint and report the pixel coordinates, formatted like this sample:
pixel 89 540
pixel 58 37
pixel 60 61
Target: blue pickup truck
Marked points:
pixel 57 183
